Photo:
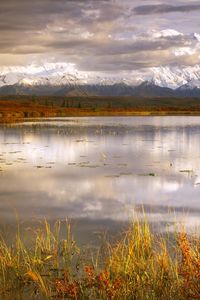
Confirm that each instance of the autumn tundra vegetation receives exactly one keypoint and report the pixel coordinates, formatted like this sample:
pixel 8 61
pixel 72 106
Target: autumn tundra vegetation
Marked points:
pixel 17 108
pixel 140 264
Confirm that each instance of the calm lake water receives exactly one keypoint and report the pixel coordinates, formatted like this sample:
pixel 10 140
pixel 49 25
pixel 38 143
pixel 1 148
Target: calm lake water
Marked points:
pixel 98 170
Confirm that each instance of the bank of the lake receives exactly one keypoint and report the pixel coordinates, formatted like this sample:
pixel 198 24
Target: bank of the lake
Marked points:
pixel 23 108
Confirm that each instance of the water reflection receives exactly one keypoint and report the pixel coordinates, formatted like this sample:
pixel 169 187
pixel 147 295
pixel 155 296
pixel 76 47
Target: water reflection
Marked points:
pixel 102 168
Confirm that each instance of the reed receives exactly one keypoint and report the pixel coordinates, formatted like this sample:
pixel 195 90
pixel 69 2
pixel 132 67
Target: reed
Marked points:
pixel 141 265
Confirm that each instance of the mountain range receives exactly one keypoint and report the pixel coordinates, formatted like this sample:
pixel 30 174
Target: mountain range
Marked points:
pixel 62 79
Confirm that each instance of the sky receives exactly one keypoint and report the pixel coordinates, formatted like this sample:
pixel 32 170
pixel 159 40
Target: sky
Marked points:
pixel 100 36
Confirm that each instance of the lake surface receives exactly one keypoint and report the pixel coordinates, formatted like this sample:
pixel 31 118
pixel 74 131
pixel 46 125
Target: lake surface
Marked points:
pixel 99 169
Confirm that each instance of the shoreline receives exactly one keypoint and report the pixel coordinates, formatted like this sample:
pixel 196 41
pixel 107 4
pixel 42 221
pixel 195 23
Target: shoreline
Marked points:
pixel 14 109
pixel 14 120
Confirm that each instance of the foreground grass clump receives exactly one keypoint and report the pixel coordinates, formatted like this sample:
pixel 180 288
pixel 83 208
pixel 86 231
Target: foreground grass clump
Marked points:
pixel 141 265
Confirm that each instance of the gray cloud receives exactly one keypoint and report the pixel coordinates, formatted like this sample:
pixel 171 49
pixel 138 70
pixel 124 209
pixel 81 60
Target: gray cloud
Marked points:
pixel 95 35
pixel 164 8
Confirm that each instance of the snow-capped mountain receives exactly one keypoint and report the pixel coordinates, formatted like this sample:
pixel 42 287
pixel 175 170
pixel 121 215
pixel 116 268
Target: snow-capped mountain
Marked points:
pixel 60 74
pixel 64 79
pixel 176 77
pixel 46 74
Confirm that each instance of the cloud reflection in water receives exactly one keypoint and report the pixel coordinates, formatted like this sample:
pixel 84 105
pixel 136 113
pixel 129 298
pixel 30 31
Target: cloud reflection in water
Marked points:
pixel 100 168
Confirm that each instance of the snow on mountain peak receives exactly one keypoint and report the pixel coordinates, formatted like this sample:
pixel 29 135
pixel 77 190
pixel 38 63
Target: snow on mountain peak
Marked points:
pixel 47 73
pixel 166 77
pixel 175 77
pixel 67 74
pixel 27 81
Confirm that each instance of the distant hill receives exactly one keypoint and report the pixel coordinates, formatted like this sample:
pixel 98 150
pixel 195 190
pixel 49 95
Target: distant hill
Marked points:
pixel 145 89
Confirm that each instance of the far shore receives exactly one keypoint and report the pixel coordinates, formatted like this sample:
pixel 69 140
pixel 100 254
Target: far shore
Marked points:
pixel 13 119
pixel 15 109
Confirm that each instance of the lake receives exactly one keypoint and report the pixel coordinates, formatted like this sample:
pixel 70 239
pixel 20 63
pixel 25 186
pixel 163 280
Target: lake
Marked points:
pixel 98 170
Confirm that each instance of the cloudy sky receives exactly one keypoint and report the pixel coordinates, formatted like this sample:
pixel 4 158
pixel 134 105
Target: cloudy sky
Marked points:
pixel 105 36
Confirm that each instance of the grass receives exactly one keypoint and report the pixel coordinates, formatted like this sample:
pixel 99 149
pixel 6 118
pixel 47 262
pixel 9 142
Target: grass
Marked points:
pixel 141 265
pixel 23 108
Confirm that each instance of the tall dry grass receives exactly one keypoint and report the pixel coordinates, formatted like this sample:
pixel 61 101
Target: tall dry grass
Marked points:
pixel 141 265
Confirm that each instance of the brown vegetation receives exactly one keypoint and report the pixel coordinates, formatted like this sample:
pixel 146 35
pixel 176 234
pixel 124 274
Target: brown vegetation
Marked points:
pixel 140 266
pixel 17 108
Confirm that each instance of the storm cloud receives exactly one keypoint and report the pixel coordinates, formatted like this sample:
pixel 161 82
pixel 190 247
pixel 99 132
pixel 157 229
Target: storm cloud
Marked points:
pixel 99 35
